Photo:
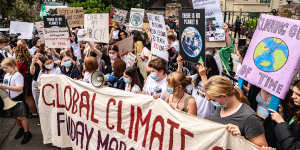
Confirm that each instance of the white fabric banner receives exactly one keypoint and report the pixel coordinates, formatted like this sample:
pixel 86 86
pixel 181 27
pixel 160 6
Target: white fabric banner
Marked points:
pixel 159 36
pixel 76 114
pixel 24 28
pixel 136 19
pixel 96 26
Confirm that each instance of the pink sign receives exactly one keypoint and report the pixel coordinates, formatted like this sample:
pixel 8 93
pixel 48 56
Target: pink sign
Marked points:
pixel 273 56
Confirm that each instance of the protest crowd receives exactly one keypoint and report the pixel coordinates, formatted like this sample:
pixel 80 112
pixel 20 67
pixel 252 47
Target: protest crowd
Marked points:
pixel 152 60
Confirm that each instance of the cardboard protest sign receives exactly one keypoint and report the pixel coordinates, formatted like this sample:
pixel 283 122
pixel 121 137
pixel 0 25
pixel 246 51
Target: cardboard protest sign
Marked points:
pixel 76 114
pixel 136 19
pixel 273 57
pixel 159 36
pixel 24 28
pixel 118 15
pixel 214 18
pixel 57 37
pixel 40 29
pixel 125 45
pixel 192 35
pixel 96 27
pixel 54 21
pixel 74 15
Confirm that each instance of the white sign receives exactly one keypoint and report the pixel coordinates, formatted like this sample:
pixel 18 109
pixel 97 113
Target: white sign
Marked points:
pixel 136 19
pixel 80 34
pixel 40 29
pixel 214 18
pixel 57 37
pixel 159 36
pixel 24 28
pixel 76 114
pixel 97 28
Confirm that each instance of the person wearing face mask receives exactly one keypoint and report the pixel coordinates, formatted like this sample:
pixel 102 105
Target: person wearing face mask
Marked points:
pixel 132 80
pixel 239 118
pixel 177 98
pixel 287 123
pixel 48 67
pixel 156 83
pixel 68 68
pixel 113 53
pixel 204 107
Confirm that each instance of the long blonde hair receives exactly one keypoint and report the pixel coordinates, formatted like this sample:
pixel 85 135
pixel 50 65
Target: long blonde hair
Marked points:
pixel 10 63
pixel 217 86
pixel 22 53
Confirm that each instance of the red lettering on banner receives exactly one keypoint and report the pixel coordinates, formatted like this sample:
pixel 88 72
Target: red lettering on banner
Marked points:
pixel 58 105
pixel 86 106
pixel 154 134
pixel 70 92
pixel 183 133
pixel 146 121
pixel 119 121
pixel 43 95
pixel 173 125
pixel 93 110
pixel 131 122
pixel 107 113
pixel 75 100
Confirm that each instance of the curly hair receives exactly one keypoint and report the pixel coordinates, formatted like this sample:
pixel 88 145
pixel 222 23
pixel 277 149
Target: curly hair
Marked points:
pixel 22 53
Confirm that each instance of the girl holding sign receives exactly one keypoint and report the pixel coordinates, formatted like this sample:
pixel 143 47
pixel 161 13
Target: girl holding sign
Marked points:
pixel 287 129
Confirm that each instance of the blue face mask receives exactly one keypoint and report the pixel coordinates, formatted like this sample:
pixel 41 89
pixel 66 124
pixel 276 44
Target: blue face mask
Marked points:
pixel 126 80
pixel 218 105
pixel 154 76
pixel 170 90
pixel 67 63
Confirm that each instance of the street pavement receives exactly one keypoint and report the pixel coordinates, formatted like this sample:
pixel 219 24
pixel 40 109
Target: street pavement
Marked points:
pixel 8 130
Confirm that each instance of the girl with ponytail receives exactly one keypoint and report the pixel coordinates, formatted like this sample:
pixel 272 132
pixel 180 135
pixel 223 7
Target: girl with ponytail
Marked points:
pixel 177 98
pixel 232 110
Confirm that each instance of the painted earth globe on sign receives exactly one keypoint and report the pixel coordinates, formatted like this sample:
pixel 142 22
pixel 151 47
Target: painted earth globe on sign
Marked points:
pixel 271 54
pixel 136 19
pixel 191 42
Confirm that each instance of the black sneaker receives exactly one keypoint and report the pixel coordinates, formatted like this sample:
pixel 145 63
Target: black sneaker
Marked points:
pixel 20 133
pixel 27 137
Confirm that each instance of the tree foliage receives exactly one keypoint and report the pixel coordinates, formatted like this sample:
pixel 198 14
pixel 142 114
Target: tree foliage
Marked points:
pixel 24 10
pixel 91 6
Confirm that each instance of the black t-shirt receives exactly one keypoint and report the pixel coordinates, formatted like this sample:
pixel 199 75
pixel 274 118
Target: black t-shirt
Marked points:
pixel 245 118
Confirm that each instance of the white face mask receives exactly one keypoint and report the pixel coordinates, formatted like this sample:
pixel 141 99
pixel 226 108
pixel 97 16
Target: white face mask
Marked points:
pixel 112 56
pixel 49 66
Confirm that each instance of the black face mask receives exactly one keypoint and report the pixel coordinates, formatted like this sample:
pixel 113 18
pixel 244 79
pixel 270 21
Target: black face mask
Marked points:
pixel 172 25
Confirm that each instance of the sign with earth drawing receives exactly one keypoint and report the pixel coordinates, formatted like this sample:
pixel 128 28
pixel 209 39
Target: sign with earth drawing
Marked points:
pixel 136 19
pixel 192 35
pixel 273 57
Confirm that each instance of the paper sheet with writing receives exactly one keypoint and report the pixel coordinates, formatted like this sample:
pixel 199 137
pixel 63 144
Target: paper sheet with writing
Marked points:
pixel 24 28
pixel 96 27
